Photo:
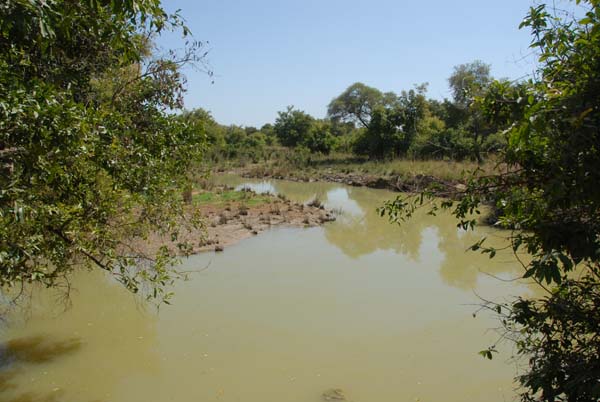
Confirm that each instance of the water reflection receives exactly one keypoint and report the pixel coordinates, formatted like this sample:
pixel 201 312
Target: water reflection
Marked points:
pixel 375 309
pixel 262 187
pixel 367 233
pixel 339 200
pixel 361 231
pixel 35 349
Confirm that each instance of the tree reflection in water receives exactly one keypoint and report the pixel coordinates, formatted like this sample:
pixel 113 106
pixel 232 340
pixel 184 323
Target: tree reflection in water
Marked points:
pixel 360 231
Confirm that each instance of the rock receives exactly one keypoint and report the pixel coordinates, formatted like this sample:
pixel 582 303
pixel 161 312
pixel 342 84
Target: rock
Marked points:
pixel 218 248
pixel 326 218
pixel 334 394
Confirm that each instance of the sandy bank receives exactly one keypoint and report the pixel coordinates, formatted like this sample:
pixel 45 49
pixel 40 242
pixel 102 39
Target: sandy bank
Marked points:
pixel 228 223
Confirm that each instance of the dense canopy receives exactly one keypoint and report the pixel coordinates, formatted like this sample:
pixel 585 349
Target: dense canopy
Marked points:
pixel 88 152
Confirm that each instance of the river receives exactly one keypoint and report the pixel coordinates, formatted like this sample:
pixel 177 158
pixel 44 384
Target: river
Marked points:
pixel 381 311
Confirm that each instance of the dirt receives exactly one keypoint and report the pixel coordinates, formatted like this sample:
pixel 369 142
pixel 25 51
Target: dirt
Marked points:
pixel 414 184
pixel 334 394
pixel 227 224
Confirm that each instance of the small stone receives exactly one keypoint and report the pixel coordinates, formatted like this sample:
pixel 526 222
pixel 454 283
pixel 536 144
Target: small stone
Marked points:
pixel 334 394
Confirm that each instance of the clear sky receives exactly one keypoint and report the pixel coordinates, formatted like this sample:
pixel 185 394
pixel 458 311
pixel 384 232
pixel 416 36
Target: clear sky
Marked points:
pixel 267 54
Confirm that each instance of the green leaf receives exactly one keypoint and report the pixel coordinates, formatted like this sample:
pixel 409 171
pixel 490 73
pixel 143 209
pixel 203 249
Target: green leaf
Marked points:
pixel 566 262
pixel 530 272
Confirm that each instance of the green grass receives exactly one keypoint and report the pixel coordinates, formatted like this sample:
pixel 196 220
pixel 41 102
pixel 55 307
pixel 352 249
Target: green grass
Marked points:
pixel 231 196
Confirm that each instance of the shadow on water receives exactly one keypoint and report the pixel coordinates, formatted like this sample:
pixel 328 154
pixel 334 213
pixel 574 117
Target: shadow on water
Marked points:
pixel 35 349
pixel 29 397
pixel 31 350
pixel 76 355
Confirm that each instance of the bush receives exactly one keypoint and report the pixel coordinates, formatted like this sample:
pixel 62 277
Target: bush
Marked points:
pixel 292 126
pixel 448 143
pixel 319 139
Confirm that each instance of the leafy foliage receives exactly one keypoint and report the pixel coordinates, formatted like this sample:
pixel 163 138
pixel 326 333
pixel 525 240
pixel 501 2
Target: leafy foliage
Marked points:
pixel 292 126
pixel 320 139
pixel 381 125
pixel 89 157
pixel 549 196
pixel 297 128
pixel 383 137
pixel 392 127
pixel 468 81
pixel 559 336
pixel 358 103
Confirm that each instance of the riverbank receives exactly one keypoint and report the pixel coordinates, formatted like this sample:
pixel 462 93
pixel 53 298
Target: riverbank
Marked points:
pixel 398 183
pixel 231 222
pixel 228 216
pixel 444 178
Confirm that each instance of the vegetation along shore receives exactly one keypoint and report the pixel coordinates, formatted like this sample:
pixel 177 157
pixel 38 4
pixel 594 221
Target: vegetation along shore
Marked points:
pixel 102 169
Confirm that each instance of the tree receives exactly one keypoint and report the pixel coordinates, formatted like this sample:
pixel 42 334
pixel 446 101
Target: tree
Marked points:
pixel 383 137
pixel 392 129
pixel 319 138
pixel 549 196
pixel 296 128
pixel 413 107
pixel 90 158
pixel 204 121
pixel 468 81
pixel 357 104
pixel 269 132
pixel 292 126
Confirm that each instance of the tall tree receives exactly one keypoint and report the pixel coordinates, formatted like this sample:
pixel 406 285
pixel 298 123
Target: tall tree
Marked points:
pixel 357 104
pixel 468 81
pixel 89 156
pixel 393 126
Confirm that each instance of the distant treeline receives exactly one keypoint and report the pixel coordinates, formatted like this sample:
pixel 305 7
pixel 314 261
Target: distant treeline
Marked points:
pixel 368 122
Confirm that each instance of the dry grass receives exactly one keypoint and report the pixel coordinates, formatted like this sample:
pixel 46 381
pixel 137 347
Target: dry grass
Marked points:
pixel 446 170
pixel 346 164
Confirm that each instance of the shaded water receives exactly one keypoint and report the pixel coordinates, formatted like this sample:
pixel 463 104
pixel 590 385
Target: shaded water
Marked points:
pixel 381 311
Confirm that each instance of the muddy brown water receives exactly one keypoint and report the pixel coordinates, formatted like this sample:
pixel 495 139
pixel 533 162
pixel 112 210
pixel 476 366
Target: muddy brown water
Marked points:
pixel 382 312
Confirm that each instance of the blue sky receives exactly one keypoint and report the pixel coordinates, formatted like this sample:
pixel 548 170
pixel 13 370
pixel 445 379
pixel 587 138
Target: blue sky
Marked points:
pixel 268 54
